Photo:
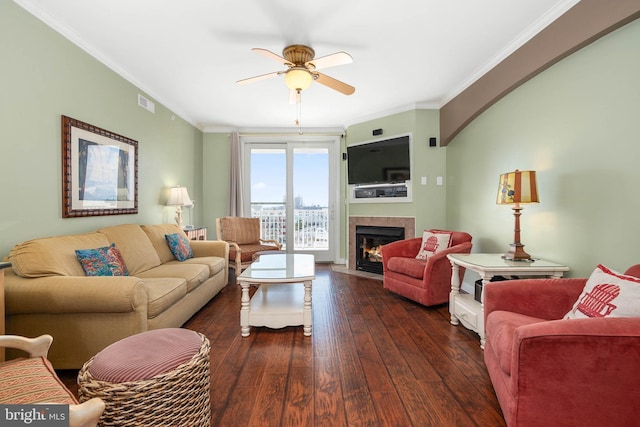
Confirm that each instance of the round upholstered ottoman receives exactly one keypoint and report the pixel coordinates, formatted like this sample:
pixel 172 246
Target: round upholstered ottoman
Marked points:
pixel 155 378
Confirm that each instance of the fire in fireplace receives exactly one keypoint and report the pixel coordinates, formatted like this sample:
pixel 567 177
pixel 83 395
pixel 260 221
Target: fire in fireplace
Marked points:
pixel 369 239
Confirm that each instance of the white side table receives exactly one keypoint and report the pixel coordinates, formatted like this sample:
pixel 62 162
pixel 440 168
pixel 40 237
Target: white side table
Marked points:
pixel 464 308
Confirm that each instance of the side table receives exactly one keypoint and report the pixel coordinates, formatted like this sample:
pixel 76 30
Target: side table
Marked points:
pixel 196 233
pixel 464 308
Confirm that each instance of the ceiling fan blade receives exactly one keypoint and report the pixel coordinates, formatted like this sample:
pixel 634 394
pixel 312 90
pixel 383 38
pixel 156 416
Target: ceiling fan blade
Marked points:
pixel 338 58
pixel 257 78
pixel 335 84
pixel 272 55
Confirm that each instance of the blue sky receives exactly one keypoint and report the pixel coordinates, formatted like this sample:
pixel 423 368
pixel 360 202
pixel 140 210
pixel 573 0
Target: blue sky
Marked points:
pixel 311 176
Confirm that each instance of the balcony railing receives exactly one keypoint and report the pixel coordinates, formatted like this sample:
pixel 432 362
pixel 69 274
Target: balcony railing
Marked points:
pixel 310 225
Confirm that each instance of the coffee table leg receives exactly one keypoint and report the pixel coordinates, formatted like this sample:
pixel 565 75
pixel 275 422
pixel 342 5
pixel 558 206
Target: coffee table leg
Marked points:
pixel 306 314
pixel 244 309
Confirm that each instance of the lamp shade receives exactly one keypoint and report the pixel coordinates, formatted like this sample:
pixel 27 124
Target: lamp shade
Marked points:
pixel 298 79
pixel 179 196
pixel 517 187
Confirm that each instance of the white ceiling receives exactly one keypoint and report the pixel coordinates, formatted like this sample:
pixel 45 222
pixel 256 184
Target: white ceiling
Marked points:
pixel 188 54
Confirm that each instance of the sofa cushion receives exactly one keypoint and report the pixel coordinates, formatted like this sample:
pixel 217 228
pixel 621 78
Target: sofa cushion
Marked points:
pixel 433 241
pixel 607 294
pixel 136 248
pixel 411 267
pixel 156 234
pixel 248 251
pixel 27 381
pixel 194 274
pixel 179 245
pixel 53 256
pixel 105 261
pixel 215 264
pixel 163 293
pixel 501 327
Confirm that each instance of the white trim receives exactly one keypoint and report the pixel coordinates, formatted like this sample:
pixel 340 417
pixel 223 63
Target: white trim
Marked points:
pixel 276 131
pixel 333 141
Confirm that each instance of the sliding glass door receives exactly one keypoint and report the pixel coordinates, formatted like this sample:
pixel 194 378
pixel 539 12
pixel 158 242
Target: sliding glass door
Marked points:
pixel 292 187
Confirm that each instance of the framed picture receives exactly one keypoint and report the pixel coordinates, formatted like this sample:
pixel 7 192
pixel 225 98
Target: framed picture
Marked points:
pixel 99 171
pixel 397 175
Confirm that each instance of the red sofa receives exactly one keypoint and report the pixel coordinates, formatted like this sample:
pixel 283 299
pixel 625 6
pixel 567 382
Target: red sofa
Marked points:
pixel 547 371
pixel 426 282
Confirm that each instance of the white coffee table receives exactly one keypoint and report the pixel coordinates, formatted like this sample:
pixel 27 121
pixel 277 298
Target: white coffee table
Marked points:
pixel 284 296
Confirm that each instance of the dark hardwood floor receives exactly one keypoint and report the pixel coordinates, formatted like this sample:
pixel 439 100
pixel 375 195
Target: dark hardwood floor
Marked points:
pixel 374 359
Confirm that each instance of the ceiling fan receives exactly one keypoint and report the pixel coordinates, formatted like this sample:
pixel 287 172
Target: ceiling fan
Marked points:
pixel 302 69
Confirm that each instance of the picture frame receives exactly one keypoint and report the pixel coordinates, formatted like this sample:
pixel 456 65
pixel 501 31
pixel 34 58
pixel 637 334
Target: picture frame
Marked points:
pixel 397 175
pixel 99 171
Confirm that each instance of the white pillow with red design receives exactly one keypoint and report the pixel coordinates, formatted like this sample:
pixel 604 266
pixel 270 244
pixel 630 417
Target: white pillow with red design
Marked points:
pixel 607 294
pixel 433 242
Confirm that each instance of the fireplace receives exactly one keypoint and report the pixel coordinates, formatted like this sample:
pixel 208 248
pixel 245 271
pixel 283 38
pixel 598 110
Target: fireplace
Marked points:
pixel 369 239
pixel 405 222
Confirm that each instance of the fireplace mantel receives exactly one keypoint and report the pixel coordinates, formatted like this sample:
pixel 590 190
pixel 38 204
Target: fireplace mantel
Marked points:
pixel 408 223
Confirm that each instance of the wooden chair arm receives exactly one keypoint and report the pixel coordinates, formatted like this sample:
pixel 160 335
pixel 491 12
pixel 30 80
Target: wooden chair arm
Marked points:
pixel 36 347
pixel 271 241
pixel 235 246
pixel 86 414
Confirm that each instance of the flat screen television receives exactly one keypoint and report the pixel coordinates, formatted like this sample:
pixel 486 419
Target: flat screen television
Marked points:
pixel 379 162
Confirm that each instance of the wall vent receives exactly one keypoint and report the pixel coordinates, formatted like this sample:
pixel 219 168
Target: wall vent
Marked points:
pixel 146 104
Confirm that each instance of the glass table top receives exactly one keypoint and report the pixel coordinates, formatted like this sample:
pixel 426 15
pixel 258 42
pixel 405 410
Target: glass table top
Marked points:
pixel 274 267
pixel 496 261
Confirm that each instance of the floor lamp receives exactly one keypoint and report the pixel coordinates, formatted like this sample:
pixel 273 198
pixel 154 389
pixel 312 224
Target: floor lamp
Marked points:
pixel 516 188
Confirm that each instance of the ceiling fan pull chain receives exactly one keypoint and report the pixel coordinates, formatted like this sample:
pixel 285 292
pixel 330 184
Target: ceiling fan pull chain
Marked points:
pixel 299 110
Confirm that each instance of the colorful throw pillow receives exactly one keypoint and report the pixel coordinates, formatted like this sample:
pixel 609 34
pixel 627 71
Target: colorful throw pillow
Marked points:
pixel 607 294
pixel 106 261
pixel 433 242
pixel 179 245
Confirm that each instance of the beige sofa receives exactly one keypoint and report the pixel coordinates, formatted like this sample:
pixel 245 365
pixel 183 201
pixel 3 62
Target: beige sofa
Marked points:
pixel 47 291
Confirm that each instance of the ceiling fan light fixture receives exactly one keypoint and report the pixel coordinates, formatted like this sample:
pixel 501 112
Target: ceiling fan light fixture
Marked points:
pixel 298 78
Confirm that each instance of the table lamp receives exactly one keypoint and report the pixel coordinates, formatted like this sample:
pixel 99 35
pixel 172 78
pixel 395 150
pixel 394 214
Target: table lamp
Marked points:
pixel 179 197
pixel 516 188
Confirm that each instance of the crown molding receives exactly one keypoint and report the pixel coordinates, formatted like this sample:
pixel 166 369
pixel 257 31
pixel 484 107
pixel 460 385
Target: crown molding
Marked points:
pixel 519 41
pixel 74 38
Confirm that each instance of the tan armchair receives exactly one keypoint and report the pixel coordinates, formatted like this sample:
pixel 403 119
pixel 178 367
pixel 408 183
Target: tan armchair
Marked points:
pixel 41 385
pixel 243 236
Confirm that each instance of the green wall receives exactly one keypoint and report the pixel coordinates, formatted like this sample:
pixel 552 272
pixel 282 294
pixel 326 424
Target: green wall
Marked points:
pixel 44 76
pixel 216 156
pixel 429 201
pixel 578 125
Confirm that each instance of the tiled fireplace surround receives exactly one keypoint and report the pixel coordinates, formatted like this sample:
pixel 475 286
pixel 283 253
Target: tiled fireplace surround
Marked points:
pixel 408 223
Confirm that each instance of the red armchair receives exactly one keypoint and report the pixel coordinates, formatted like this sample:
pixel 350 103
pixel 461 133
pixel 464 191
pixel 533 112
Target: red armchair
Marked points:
pixel 426 282
pixel 547 371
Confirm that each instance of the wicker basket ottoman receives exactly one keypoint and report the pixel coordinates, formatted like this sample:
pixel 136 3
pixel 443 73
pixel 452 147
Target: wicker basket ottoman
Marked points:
pixel 155 378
